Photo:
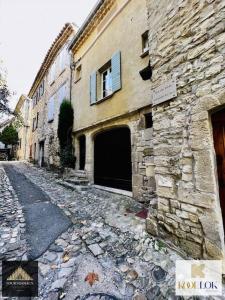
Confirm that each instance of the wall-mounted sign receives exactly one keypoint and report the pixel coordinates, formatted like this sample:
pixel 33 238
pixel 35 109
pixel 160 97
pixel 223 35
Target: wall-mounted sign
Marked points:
pixel 164 92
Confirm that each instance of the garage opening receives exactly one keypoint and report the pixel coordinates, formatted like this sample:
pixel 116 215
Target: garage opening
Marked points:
pixel 82 150
pixel 218 123
pixel 112 159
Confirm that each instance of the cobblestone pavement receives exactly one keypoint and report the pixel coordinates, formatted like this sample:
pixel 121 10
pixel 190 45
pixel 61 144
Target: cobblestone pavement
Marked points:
pixel 106 253
pixel 12 222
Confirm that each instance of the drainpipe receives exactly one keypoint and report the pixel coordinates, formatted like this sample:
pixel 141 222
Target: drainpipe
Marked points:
pixel 72 68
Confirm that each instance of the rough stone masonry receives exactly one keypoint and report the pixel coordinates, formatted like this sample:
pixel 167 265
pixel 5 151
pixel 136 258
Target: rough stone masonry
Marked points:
pixel 187 43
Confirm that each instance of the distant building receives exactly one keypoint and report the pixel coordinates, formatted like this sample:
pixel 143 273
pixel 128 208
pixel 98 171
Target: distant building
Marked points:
pixel 23 111
pixel 51 86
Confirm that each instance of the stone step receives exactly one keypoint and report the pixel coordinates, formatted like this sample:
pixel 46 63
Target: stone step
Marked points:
pixel 77 181
pixel 78 174
pixel 71 186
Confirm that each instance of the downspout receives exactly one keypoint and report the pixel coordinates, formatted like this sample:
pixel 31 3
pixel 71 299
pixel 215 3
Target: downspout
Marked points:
pixel 72 67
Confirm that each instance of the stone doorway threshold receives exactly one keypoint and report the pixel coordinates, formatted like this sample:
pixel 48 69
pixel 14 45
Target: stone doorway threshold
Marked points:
pixel 112 190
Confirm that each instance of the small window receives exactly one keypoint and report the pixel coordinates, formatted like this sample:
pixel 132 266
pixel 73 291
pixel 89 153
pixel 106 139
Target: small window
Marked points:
pixel 78 73
pixel 148 120
pixel 145 42
pixel 106 80
pixel 51 108
pixel 34 124
pixel 37 119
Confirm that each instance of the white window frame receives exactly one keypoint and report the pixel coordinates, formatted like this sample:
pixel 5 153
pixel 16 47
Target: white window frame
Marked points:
pixel 108 71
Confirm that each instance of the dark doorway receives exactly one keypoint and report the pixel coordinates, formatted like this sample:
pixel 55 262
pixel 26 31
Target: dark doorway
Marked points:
pixel 41 154
pixel 218 123
pixel 82 148
pixel 112 159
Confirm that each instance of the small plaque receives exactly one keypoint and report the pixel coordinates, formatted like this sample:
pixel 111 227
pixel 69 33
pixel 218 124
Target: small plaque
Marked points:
pixel 164 92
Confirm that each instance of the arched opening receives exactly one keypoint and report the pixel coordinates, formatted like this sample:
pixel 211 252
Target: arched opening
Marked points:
pixel 112 159
pixel 82 151
pixel 218 124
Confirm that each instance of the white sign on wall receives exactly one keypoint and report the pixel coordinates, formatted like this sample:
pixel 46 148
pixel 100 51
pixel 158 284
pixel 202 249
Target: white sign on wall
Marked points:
pixel 164 92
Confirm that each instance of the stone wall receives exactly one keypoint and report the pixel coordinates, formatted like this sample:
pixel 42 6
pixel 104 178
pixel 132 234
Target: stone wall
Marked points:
pixel 142 160
pixel 187 42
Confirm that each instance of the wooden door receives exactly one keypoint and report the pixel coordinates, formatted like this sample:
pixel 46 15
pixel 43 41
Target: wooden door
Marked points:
pixel 218 122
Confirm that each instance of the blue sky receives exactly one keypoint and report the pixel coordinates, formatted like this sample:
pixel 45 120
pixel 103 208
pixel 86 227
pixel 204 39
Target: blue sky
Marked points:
pixel 27 30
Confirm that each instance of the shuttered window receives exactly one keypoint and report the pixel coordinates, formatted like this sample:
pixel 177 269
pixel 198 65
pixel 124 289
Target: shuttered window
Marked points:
pixel 107 80
pixel 62 93
pixel 51 108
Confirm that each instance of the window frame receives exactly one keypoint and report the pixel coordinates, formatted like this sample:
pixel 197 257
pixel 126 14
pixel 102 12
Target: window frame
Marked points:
pixel 107 68
pixel 145 39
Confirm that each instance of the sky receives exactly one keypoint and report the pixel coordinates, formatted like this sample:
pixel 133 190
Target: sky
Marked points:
pixel 27 30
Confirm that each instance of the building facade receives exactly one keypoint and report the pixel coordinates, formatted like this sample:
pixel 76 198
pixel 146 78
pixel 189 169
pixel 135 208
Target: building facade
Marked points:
pixel 187 45
pixel 112 127
pixel 51 86
pixel 22 111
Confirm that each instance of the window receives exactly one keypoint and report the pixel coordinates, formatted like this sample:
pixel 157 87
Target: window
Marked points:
pixel 37 119
pixel 62 93
pixel 78 73
pixel 51 108
pixel 52 73
pixel 62 60
pixel 41 89
pixel 148 120
pixel 34 124
pixel 20 143
pixel 145 43
pixel 106 82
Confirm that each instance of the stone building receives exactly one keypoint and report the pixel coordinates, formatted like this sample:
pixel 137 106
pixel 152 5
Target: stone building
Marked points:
pixel 51 86
pixel 22 110
pixel 187 46
pixel 113 123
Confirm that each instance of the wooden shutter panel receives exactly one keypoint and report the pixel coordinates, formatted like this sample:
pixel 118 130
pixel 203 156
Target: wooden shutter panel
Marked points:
pixel 116 71
pixel 51 109
pixel 93 89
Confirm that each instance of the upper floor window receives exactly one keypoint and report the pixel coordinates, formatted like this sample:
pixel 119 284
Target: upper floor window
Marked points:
pixel 34 124
pixel 51 75
pixel 78 73
pixel 62 93
pixel 107 80
pixel 51 109
pixel 145 43
pixel 37 120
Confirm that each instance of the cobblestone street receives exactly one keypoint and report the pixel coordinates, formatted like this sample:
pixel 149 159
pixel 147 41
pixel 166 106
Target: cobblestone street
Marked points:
pixel 106 242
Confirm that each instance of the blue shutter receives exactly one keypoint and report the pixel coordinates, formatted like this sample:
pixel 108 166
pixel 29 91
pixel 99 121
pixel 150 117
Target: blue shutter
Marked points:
pixel 116 71
pixel 93 87
pixel 51 109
